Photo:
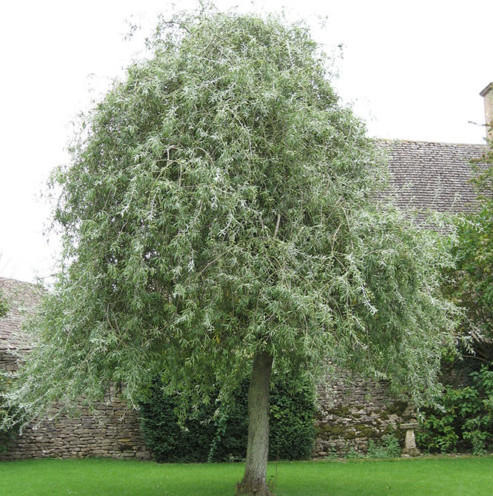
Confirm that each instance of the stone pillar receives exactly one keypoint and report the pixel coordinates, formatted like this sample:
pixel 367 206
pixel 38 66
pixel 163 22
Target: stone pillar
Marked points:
pixel 487 94
pixel 410 448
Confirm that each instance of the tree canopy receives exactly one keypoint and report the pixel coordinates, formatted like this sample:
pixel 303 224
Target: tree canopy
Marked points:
pixel 3 305
pixel 221 209
pixel 471 281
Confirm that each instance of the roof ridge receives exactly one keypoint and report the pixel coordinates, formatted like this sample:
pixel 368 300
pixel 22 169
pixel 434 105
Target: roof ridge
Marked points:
pixel 442 143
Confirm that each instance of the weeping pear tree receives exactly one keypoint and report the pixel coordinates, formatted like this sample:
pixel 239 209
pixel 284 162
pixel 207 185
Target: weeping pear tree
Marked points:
pixel 221 217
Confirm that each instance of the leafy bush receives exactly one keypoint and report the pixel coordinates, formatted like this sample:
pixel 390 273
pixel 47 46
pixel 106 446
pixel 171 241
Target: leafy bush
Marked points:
pixel 388 447
pixel 166 438
pixel 291 420
pixel 466 421
pixel 222 437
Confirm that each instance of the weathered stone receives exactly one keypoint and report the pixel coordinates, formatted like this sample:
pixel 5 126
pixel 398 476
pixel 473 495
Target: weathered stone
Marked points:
pixel 410 448
pixel 346 420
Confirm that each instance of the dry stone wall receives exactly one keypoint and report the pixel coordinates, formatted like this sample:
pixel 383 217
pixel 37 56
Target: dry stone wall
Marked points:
pixel 8 362
pixel 111 431
pixel 353 411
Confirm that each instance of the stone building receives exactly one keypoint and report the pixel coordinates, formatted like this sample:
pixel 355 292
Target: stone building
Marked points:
pixel 424 175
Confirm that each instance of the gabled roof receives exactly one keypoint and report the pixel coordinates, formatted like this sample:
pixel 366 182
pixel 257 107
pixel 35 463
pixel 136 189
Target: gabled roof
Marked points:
pixel 435 176
pixel 22 299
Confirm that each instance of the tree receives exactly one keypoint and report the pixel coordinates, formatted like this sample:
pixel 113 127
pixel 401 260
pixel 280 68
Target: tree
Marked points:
pixel 5 433
pixel 219 217
pixel 470 283
pixel 3 305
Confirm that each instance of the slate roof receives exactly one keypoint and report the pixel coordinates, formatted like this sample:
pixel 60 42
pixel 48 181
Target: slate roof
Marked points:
pixel 427 175
pixel 22 299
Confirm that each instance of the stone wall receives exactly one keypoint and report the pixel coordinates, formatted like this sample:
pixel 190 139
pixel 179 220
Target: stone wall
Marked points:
pixel 110 430
pixel 353 411
pixel 8 362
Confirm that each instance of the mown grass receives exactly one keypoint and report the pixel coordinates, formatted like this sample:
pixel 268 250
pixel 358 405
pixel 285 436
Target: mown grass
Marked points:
pixel 418 477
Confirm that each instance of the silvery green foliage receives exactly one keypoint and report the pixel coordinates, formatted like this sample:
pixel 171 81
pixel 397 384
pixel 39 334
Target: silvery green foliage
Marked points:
pixel 221 201
pixel 4 307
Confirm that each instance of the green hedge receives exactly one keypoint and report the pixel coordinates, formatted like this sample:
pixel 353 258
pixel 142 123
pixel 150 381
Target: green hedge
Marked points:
pixel 466 421
pixel 223 438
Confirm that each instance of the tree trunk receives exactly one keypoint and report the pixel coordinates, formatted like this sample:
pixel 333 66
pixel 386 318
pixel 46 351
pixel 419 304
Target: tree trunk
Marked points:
pixel 254 480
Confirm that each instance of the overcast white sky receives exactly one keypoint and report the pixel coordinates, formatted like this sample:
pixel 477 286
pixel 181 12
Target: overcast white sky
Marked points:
pixel 412 70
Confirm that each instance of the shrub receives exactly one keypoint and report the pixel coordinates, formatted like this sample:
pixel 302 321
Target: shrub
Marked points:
pixel 210 437
pixel 291 420
pixel 166 438
pixel 388 447
pixel 465 422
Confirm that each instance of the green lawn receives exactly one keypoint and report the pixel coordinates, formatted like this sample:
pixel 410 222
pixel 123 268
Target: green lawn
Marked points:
pixel 418 477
